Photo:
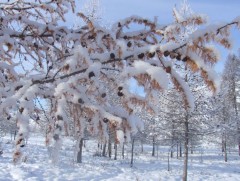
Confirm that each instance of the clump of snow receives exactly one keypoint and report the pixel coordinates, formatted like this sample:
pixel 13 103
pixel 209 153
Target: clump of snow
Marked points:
pixel 120 136
pixel 156 73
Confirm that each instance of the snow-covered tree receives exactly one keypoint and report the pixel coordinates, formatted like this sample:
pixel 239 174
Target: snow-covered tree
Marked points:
pixel 230 98
pixel 90 66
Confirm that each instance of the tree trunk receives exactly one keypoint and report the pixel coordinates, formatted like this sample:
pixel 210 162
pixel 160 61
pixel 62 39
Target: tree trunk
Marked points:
pixel 115 155
pixel 173 135
pixel 131 164
pixel 185 166
pixel 177 150
pixel 180 149
pixel 123 151
pixel 109 148
pixel 222 143
pixel 79 154
pixel 225 148
pixel 104 149
pixel 191 148
pixel 153 149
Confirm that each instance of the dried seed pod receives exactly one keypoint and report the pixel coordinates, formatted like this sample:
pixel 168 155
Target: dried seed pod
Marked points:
pixel 151 54
pixel 120 88
pixel 185 59
pixel 105 120
pixel 168 69
pixel 103 95
pixel 178 57
pixel 120 94
pixel 141 55
pixel 59 117
pixel 66 67
pixel 129 44
pixel 21 109
pixel 166 53
pixel 91 74
pixel 112 55
pixel 80 101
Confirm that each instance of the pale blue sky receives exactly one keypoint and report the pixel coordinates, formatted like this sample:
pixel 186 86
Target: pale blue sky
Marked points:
pixel 217 11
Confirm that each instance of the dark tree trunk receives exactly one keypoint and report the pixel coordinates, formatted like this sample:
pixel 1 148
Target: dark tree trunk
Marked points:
pixel 109 149
pixel 79 154
pixel 222 143
pixel 131 164
pixel 180 149
pixel 153 149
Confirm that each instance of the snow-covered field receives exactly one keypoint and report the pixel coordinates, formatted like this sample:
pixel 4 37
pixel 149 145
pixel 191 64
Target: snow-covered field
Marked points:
pixel 207 164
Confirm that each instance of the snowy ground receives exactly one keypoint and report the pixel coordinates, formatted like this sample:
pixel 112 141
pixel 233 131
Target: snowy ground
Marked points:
pixel 207 166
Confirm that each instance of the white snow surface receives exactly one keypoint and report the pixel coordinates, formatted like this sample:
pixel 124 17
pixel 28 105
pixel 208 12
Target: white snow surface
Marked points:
pixel 205 164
